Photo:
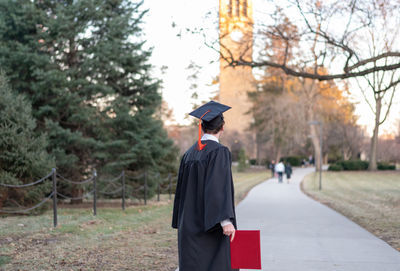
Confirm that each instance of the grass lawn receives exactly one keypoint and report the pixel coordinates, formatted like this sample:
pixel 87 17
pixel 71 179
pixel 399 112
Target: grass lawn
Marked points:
pixel 244 181
pixel 141 238
pixel 371 199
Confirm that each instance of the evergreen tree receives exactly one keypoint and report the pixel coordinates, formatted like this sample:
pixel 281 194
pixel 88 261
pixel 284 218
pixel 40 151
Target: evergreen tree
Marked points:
pixel 23 156
pixel 242 166
pixel 83 66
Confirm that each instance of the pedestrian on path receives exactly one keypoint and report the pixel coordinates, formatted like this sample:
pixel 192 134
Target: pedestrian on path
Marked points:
pixel 272 168
pixel 288 171
pixel 279 169
pixel 311 160
pixel 204 209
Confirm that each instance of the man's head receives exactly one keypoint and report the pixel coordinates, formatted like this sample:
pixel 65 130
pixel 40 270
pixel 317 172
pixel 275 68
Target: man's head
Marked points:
pixel 210 118
pixel 214 126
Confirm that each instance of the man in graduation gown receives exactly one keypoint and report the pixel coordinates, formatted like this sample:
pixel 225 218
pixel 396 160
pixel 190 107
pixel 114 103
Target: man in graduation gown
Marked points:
pixel 204 210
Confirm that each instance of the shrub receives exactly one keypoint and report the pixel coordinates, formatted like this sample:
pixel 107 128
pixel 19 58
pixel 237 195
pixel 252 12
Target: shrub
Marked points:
pixel 353 165
pixel 253 162
pixel 295 161
pixel 335 167
pixel 265 162
pixel 386 166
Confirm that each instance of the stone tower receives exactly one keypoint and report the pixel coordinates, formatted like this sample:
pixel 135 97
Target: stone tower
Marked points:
pixel 236 40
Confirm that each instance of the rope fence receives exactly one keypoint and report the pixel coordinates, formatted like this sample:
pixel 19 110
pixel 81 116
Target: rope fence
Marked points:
pixel 29 209
pixel 118 184
pixel 74 198
pixel 28 184
pixel 115 179
pixel 111 193
pixel 73 182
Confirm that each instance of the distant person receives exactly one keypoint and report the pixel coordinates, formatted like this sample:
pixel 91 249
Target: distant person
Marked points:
pixel 311 160
pixel 288 171
pixel 204 208
pixel 272 168
pixel 279 169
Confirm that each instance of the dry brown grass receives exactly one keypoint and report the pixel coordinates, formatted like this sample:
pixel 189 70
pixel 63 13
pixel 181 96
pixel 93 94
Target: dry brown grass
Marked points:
pixel 371 199
pixel 140 238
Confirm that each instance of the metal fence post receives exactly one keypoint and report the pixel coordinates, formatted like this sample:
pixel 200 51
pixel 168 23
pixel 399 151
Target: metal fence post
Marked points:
pixel 94 192
pixel 123 190
pixel 320 157
pixel 145 188
pixel 170 185
pixel 158 192
pixel 54 177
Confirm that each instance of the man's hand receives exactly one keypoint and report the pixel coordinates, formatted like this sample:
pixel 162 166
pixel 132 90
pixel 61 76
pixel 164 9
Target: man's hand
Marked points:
pixel 229 230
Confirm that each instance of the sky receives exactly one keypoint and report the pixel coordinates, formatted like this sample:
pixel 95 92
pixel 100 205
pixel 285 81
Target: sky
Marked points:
pixel 173 47
pixel 177 52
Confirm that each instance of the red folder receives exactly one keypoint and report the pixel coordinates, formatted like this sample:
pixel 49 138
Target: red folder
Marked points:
pixel 246 250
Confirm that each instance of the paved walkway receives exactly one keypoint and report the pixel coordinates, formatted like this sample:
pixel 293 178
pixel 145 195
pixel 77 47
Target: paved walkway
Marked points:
pixel 300 234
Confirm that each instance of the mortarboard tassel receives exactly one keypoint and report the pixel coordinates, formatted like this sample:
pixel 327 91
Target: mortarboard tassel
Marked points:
pixel 199 144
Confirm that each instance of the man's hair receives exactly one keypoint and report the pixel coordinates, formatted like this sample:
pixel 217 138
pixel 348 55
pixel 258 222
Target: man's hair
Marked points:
pixel 213 131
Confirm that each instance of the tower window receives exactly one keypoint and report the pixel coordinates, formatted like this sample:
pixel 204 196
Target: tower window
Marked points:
pixel 230 8
pixel 238 8
pixel 244 11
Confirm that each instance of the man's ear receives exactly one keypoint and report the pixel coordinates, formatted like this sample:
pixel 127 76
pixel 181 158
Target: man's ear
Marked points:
pixel 222 128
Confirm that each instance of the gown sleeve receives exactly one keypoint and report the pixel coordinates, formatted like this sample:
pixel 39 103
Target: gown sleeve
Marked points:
pixel 218 190
pixel 177 200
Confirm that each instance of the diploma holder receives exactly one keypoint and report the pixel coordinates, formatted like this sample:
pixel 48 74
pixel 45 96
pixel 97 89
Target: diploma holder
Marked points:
pixel 246 250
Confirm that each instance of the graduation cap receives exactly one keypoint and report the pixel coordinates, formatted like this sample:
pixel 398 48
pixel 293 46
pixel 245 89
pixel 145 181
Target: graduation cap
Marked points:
pixel 210 114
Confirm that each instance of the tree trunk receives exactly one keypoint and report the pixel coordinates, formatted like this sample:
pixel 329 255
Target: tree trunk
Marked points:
pixel 317 146
pixel 278 154
pixel 374 139
pixel 76 192
pixel 3 196
pixel 314 138
pixel 258 149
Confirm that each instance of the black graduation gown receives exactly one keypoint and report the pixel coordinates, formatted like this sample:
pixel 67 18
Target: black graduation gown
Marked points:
pixel 204 197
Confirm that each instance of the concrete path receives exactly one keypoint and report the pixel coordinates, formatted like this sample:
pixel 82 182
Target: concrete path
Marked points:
pixel 300 234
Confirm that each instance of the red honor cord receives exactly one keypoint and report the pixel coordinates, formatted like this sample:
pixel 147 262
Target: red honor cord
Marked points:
pixel 200 145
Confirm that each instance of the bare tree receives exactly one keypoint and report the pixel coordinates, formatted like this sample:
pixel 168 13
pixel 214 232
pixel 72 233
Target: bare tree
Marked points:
pixel 278 119
pixel 343 137
pixel 380 83
pixel 283 109
pixel 334 29
pixel 336 40
pixel 389 150
pixel 398 133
